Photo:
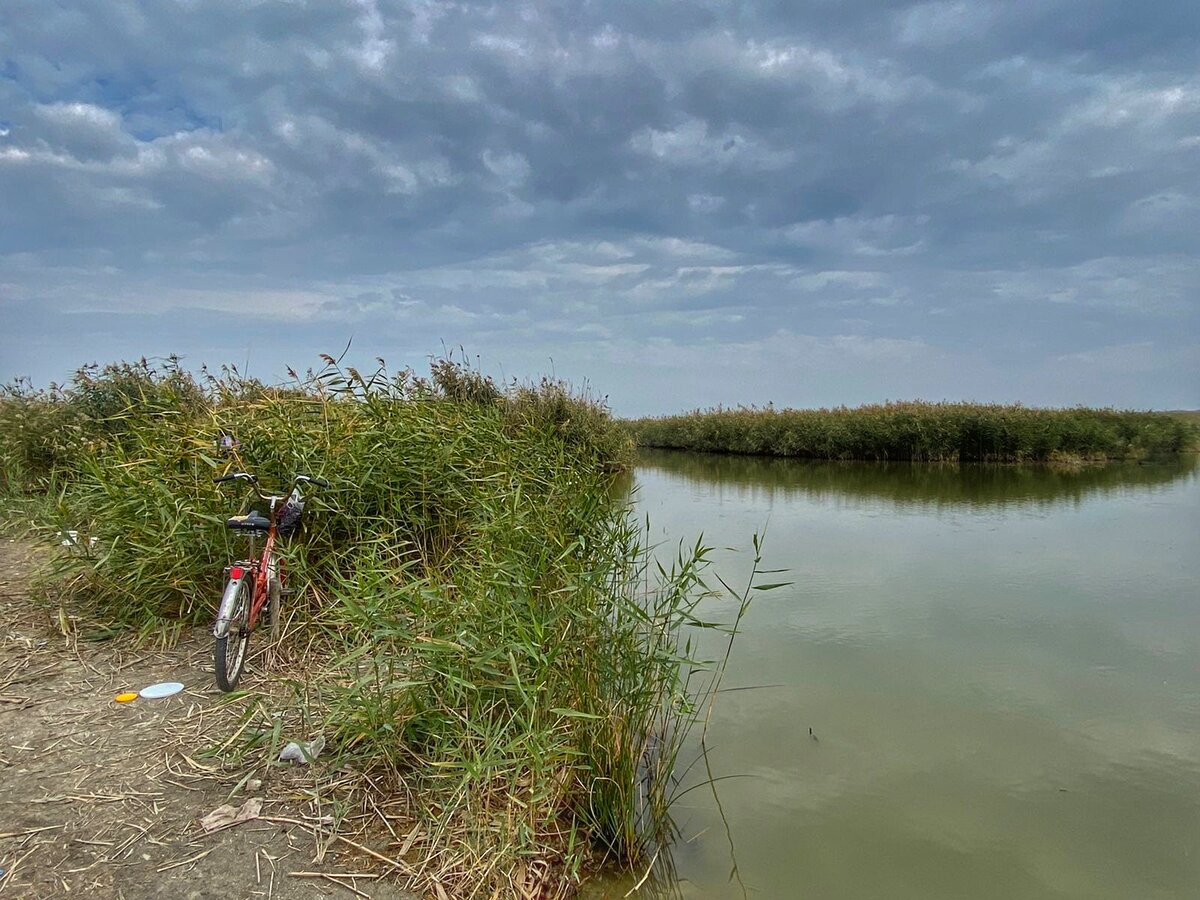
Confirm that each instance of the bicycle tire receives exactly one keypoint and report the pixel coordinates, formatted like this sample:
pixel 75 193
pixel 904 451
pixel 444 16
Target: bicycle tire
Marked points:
pixel 229 652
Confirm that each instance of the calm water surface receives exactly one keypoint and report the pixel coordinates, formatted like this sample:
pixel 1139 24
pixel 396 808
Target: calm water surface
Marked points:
pixel 1001 667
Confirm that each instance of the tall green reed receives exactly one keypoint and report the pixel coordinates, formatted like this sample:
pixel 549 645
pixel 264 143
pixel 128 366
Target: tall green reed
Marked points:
pixel 495 639
pixel 958 432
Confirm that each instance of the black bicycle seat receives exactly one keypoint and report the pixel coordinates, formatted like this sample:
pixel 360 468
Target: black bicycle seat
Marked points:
pixel 251 521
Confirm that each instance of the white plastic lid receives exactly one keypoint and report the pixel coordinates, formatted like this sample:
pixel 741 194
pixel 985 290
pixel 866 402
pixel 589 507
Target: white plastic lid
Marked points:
pixel 162 689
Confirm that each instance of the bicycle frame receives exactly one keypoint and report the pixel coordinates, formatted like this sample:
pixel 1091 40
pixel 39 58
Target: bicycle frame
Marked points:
pixel 260 567
pixel 242 603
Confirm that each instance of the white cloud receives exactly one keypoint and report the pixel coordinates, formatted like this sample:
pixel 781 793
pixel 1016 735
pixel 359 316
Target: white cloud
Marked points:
pixel 1158 286
pixel 705 203
pixel 1120 127
pixel 75 114
pixel 688 281
pixel 888 235
pixel 1123 103
pixel 504 45
pixel 92 140
pixel 943 22
pixel 1140 356
pixel 682 248
pixel 691 144
pixel 511 169
pixel 821 281
pixel 1162 211
pixel 373 52
pixel 836 81
pixel 218 160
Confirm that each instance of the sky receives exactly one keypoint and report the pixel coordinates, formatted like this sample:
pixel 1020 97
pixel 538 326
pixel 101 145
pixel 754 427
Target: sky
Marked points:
pixel 675 204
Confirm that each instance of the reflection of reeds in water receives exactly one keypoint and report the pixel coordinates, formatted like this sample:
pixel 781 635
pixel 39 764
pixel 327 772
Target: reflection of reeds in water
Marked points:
pixel 922 485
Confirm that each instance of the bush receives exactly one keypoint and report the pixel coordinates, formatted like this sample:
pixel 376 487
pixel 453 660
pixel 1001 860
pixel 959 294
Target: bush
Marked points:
pixel 497 646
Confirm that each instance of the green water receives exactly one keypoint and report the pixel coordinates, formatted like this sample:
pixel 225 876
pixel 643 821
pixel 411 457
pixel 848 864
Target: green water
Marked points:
pixel 1001 667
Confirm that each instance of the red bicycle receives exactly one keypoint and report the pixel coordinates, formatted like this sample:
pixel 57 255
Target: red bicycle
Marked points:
pixel 257 581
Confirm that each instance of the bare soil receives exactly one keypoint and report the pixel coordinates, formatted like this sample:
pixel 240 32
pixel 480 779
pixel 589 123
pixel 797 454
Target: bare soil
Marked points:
pixel 104 799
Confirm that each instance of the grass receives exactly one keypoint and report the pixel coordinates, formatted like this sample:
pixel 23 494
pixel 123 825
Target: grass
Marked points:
pixel 492 638
pixel 920 431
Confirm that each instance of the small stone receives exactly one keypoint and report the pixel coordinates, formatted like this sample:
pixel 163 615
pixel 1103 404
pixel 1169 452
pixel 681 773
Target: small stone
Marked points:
pixel 254 785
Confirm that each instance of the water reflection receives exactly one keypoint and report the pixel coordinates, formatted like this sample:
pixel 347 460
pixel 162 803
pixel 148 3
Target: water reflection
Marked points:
pixel 920 485
pixel 1000 663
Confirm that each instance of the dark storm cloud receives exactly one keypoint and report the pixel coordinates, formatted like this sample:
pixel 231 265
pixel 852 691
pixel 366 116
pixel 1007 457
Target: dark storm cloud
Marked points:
pixel 848 198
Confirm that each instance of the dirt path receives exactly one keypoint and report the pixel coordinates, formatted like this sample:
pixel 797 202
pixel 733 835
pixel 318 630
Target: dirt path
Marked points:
pixel 103 799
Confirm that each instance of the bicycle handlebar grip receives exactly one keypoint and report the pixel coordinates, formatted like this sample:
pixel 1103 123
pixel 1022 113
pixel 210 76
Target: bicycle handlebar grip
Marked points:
pixel 224 478
pixel 319 482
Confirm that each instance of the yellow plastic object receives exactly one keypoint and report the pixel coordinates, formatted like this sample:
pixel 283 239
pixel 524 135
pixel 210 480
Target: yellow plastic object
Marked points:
pixel 126 697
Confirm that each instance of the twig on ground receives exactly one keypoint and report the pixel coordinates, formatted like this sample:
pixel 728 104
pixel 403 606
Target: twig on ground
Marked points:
pixel 183 862
pixel 9 875
pixel 333 880
pixel 12 834
pixel 394 863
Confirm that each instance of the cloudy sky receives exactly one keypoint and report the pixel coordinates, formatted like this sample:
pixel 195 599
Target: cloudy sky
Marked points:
pixel 684 203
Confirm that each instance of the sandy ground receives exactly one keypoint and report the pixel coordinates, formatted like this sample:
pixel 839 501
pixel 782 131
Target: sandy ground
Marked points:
pixel 103 799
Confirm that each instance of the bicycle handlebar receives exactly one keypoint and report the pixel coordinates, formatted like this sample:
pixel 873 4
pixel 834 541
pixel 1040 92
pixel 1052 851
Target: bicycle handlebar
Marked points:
pixel 234 476
pixel 246 476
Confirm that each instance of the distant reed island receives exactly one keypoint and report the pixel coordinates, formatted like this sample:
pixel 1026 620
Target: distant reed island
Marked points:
pixel 924 432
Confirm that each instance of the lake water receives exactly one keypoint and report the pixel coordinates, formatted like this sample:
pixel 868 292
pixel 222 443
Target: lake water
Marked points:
pixel 1001 667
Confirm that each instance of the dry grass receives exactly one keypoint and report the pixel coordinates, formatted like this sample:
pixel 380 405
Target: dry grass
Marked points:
pixel 104 799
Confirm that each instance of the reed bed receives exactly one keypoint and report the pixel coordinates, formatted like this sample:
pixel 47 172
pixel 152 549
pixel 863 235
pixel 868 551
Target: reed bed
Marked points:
pixel 920 431
pixel 493 640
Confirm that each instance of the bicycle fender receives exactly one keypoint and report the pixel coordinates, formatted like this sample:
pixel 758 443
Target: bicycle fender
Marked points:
pixel 221 628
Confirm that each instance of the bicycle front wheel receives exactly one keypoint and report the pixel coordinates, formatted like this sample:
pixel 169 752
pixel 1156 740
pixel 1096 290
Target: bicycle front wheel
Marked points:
pixel 229 654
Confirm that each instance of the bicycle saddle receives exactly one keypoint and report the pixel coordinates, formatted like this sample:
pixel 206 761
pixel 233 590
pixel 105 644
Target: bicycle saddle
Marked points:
pixel 251 521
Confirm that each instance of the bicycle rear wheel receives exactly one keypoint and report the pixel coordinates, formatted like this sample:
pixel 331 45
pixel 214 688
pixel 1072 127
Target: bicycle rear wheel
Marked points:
pixel 229 654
